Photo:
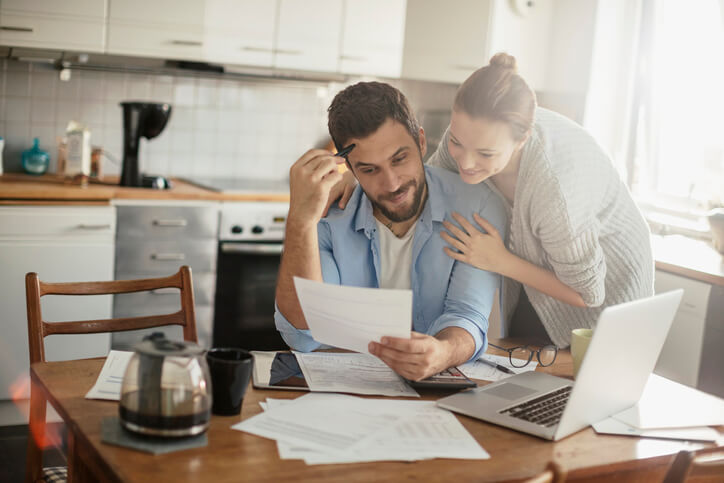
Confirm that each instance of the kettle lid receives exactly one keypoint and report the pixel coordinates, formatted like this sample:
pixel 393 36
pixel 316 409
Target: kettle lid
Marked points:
pixel 157 345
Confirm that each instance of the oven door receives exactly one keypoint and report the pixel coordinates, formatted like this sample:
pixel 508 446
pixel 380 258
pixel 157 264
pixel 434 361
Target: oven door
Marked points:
pixel 245 287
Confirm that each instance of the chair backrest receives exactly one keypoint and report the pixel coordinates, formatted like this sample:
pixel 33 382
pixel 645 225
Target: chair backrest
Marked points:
pixel 38 329
pixel 703 465
pixel 554 473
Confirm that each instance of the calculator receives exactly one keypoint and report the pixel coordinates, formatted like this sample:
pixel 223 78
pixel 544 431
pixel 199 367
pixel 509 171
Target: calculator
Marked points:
pixel 451 378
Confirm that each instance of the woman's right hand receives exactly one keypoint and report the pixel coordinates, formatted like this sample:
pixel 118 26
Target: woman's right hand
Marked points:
pixel 341 191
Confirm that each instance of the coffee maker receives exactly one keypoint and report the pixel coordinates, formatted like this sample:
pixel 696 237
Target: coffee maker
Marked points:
pixel 147 119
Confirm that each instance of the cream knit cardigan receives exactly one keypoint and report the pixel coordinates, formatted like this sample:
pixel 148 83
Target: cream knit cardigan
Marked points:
pixel 572 214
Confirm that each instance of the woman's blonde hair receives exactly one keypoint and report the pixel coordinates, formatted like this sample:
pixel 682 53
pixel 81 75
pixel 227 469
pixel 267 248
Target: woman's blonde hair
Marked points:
pixel 498 93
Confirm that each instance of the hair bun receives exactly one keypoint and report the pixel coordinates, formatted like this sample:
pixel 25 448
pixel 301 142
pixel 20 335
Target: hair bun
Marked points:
pixel 504 61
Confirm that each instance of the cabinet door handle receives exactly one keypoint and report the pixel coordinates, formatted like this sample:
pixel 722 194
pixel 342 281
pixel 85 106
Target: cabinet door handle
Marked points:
pixel 256 49
pixel 170 222
pixel 187 43
pixel 357 58
pixel 86 226
pixel 16 29
pixel 465 67
pixel 288 51
pixel 168 256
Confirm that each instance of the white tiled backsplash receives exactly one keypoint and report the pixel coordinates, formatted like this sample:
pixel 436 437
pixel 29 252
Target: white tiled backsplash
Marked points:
pixel 218 127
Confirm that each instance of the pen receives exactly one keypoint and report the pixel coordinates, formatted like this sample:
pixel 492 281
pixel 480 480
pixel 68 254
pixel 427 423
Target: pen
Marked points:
pixel 345 151
pixel 497 366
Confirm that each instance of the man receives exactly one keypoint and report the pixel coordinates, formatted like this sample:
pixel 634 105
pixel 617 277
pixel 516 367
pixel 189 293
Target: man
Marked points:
pixel 388 235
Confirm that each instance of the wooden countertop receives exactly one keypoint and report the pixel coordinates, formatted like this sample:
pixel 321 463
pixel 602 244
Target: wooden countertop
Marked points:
pixel 688 257
pixel 51 189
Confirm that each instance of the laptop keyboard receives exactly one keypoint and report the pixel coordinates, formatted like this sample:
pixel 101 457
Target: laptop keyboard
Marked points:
pixel 545 410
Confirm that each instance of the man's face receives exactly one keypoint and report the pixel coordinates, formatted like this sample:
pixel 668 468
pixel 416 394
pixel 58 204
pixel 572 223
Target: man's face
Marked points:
pixel 388 166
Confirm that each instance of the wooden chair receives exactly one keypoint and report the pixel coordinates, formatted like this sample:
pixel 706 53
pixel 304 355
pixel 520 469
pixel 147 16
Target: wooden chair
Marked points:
pixel 554 473
pixel 38 329
pixel 702 465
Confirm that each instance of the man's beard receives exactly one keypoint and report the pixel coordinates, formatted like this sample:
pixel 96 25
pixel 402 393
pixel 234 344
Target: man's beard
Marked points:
pixel 412 210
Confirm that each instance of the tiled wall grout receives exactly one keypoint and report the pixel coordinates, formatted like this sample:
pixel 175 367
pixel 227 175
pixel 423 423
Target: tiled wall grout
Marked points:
pixel 218 127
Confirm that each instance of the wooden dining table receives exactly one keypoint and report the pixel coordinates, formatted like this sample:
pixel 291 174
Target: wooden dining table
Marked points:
pixel 233 455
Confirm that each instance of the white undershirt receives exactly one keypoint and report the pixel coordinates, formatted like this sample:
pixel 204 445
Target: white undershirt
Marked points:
pixel 395 257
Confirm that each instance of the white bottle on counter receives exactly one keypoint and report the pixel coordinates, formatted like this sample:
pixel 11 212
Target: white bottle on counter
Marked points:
pixel 2 145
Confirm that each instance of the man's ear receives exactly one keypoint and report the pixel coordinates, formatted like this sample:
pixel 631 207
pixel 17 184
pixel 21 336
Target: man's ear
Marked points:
pixel 423 142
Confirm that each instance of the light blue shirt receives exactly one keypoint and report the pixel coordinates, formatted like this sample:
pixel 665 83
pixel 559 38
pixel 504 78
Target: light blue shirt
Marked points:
pixel 445 292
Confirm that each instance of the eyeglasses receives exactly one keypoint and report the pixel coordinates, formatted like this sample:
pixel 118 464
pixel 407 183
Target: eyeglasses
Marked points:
pixel 521 356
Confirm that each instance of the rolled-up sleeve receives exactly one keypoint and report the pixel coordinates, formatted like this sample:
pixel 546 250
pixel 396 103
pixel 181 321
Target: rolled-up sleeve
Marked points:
pixel 301 339
pixel 471 291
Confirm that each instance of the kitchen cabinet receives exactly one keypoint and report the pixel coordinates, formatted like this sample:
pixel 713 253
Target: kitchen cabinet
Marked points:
pixel 308 33
pixel 682 354
pixel 154 240
pixel 61 244
pixel 447 41
pixel 240 31
pixel 68 25
pixel 172 29
pixel 372 37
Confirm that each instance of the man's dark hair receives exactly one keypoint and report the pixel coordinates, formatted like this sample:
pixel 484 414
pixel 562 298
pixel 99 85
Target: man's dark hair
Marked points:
pixel 359 110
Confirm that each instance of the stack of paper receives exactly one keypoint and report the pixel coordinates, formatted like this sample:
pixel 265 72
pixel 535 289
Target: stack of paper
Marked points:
pixel 335 428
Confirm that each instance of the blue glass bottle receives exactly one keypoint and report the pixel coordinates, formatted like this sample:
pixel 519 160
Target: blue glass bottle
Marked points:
pixel 35 160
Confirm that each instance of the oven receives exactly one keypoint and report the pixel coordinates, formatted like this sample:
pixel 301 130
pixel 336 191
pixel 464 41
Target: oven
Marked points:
pixel 251 237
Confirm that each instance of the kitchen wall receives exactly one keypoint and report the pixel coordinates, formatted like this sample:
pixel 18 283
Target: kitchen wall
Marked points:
pixel 218 127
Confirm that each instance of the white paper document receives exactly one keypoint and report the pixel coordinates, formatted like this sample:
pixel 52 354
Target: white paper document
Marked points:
pixel 668 404
pixel 351 373
pixel 352 317
pixel 486 372
pixel 614 426
pixel 108 384
pixel 310 428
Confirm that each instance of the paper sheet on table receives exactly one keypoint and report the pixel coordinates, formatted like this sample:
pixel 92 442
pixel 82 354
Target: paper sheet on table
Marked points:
pixel 351 317
pixel 352 373
pixel 319 422
pixel 614 426
pixel 420 431
pixel 486 372
pixel 668 404
pixel 108 384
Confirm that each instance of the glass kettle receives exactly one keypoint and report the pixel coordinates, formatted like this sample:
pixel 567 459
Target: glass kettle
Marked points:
pixel 166 389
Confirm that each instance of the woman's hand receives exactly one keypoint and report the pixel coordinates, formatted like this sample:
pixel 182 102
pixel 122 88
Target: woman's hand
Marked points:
pixel 342 191
pixel 485 251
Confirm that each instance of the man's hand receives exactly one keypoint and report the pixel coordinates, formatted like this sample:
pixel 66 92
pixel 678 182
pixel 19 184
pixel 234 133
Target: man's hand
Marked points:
pixel 342 191
pixel 310 180
pixel 416 358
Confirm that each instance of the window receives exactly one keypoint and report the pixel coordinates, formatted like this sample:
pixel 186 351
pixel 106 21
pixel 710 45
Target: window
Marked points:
pixel 676 157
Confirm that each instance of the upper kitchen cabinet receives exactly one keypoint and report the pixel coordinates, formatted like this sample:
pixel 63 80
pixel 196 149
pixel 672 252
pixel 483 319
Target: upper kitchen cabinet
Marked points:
pixel 78 25
pixel 372 37
pixel 447 41
pixel 308 35
pixel 172 29
pixel 240 31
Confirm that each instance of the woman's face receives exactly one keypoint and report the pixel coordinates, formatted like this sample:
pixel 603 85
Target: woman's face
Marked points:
pixel 481 148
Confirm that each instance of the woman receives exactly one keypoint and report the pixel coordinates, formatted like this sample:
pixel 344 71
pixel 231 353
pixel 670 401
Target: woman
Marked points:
pixel 577 242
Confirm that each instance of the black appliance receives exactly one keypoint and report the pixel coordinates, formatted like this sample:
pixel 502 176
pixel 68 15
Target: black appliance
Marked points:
pixel 251 235
pixel 147 119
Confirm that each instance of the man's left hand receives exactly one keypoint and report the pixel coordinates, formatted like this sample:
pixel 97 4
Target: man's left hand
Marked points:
pixel 416 358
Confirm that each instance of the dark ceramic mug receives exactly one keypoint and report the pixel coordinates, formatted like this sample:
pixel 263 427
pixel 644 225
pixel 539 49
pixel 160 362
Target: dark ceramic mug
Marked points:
pixel 230 371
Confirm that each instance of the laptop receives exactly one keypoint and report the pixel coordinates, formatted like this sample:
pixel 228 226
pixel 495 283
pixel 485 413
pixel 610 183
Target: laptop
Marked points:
pixel 621 356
